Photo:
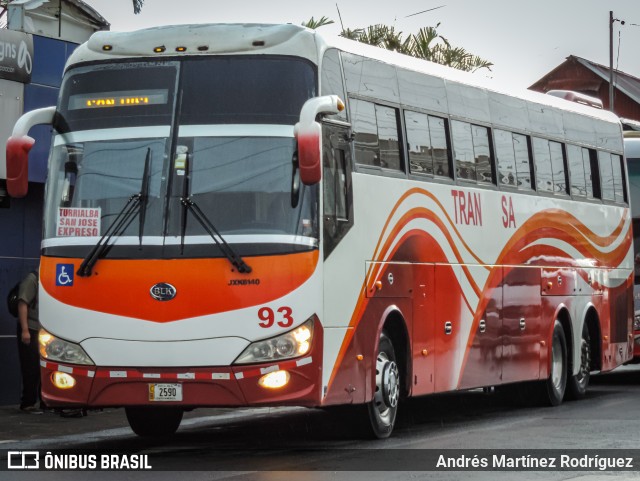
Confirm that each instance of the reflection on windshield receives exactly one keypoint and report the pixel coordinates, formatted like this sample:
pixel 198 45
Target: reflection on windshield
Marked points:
pixel 94 180
pixel 233 124
pixel 243 184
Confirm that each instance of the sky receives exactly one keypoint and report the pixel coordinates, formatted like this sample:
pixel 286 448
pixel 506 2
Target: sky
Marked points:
pixel 524 39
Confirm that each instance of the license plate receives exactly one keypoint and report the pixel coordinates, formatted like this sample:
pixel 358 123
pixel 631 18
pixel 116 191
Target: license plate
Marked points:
pixel 165 392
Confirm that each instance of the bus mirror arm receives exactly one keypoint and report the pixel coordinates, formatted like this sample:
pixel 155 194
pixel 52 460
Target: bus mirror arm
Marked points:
pixel 295 181
pixel 308 133
pixel 18 147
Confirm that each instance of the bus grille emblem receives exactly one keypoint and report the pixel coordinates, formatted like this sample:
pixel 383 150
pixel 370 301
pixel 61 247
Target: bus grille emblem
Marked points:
pixel 162 291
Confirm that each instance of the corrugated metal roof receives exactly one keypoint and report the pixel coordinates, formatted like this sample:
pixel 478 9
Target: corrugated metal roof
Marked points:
pixel 627 84
pixel 90 12
pixel 87 10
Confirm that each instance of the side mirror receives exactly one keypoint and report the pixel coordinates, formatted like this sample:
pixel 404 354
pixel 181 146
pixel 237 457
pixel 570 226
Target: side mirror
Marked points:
pixel 308 133
pixel 18 165
pixel 18 147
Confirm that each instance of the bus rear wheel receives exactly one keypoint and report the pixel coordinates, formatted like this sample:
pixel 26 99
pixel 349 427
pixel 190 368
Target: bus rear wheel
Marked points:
pixel 154 421
pixel 577 385
pixel 552 390
pixel 383 408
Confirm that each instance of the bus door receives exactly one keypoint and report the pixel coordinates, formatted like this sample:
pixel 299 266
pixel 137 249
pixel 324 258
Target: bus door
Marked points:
pixel 336 184
pixel 424 352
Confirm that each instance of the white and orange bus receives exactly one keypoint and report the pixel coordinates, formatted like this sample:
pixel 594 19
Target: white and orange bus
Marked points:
pixel 256 215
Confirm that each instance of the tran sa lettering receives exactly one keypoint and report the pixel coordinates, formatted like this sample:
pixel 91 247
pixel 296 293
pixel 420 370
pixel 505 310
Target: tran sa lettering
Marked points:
pixel 467 207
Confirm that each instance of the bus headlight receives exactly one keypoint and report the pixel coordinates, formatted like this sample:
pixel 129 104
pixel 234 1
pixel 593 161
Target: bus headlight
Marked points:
pixel 294 343
pixel 59 350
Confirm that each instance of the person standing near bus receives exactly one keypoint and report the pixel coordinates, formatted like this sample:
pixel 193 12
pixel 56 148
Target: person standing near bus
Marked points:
pixel 28 351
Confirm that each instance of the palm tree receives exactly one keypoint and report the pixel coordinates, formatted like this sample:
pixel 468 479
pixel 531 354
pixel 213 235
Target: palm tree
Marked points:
pixel 313 24
pixel 137 6
pixel 427 44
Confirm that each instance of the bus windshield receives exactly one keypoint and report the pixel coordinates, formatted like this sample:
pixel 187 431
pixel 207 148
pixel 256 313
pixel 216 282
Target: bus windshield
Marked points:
pixel 218 131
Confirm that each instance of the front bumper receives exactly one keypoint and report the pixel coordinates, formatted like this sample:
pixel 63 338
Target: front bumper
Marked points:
pixel 201 387
pixel 217 386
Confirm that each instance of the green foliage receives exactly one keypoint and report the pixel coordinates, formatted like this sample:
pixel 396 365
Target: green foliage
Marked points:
pixel 137 6
pixel 427 44
pixel 313 23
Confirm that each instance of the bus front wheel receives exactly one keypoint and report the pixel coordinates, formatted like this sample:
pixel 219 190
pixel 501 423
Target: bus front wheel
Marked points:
pixel 154 421
pixel 383 408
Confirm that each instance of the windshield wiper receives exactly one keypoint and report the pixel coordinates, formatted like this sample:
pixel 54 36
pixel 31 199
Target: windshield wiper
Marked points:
pixel 185 195
pixel 190 205
pixel 137 203
pixel 124 217
pixel 226 249
pixel 144 194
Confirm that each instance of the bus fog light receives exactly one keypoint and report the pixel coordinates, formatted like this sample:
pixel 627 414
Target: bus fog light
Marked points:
pixel 275 380
pixel 62 380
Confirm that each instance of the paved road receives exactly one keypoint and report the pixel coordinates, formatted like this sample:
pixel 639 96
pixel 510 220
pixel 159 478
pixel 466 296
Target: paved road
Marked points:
pixel 314 445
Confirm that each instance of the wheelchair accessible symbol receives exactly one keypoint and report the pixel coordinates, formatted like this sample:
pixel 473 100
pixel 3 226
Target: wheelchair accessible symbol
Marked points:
pixel 64 274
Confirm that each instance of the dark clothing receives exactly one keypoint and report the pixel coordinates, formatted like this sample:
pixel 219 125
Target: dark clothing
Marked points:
pixel 29 355
pixel 28 293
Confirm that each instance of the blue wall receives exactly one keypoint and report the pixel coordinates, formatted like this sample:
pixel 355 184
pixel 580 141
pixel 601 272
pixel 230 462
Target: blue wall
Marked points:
pixel 21 219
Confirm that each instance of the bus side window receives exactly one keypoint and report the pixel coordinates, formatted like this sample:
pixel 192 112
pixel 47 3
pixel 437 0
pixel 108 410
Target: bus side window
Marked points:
pixel 558 168
pixel 389 137
pixel 472 152
pixel 463 149
pixel 377 135
pixel 505 155
pixel 606 176
pixel 524 164
pixel 418 143
pixel 542 158
pixel 618 180
pixel 365 132
pixel 576 169
pixel 592 173
pixel 482 153
pixel 441 150
pixel 427 144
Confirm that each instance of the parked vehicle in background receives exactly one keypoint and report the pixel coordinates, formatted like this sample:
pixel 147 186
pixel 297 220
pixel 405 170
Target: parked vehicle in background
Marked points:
pixel 632 153
pixel 221 231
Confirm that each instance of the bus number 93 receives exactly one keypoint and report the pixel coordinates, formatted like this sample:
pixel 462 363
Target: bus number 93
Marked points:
pixel 268 317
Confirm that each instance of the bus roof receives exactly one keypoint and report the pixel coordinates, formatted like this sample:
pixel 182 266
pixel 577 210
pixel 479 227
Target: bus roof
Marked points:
pixel 247 39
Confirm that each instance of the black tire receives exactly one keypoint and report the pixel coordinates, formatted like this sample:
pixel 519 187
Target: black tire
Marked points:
pixel 154 421
pixel 552 390
pixel 577 385
pixel 383 408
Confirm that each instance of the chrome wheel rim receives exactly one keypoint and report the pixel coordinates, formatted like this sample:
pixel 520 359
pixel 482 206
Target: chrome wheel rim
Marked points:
pixel 387 387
